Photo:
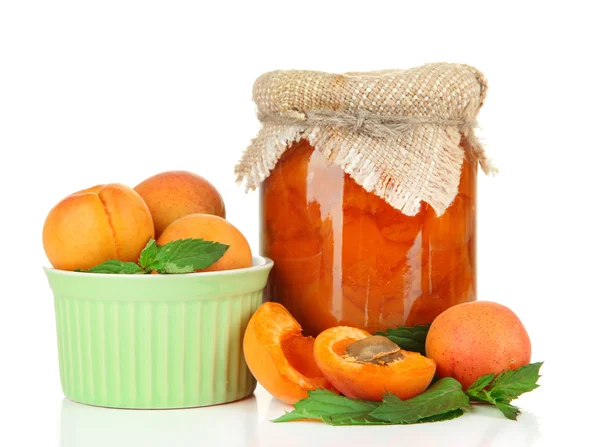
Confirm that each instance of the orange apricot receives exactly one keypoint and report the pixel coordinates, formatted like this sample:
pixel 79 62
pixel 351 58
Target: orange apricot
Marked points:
pixel 174 194
pixel 279 356
pixel 95 225
pixel 472 339
pixel 216 229
pixel 363 366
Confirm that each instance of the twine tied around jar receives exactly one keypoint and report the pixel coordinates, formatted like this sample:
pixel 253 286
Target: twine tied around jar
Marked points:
pixel 380 126
pixel 397 133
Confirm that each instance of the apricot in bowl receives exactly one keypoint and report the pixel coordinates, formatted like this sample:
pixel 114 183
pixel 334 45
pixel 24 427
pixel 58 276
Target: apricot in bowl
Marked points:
pixel 211 228
pixel 96 225
pixel 174 194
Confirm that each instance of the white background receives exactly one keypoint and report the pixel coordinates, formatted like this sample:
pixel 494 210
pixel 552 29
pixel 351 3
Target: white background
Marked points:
pixel 116 91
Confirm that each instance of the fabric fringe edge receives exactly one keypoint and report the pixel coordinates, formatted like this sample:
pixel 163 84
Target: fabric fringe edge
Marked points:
pixel 262 155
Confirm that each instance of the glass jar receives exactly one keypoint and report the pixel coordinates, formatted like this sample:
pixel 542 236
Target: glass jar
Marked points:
pixel 344 256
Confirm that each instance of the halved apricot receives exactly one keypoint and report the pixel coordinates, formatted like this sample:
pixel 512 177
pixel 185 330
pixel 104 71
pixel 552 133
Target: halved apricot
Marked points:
pixel 279 356
pixel 364 366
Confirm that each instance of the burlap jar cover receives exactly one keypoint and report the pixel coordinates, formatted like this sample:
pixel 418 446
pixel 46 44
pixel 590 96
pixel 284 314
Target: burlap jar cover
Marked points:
pixel 397 133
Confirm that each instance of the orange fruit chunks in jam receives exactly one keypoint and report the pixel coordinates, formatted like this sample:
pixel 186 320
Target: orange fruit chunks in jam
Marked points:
pixel 279 356
pixel 344 256
pixel 405 377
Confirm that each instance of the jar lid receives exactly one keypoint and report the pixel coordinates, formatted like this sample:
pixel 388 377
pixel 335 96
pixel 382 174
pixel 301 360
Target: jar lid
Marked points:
pixel 397 133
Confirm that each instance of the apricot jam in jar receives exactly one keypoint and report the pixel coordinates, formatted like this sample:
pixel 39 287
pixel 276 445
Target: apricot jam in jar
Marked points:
pixel 344 256
pixel 368 209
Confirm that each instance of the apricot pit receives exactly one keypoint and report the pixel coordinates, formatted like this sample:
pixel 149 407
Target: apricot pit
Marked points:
pixel 375 349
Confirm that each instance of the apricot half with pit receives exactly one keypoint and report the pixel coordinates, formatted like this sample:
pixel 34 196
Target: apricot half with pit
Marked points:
pixel 364 366
pixel 279 356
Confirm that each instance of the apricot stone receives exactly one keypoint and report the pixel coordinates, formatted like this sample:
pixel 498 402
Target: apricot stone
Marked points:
pixel 473 339
pixel 216 229
pixel 174 194
pixel 96 225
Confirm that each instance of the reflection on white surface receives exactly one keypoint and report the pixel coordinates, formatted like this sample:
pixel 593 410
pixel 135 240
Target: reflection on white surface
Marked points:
pixel 228 424
pixel 248 423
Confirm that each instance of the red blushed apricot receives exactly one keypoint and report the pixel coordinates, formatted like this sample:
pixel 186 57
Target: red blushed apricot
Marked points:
pixel 370 369
pixel 473 339
pixel 174 194
pixel 279 356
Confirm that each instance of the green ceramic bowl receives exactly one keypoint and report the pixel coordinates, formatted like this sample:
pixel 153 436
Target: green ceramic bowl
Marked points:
pixel 156 341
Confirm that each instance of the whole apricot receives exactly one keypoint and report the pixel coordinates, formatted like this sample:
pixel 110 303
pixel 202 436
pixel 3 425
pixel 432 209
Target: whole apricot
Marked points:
pixel 473 339
pixel 96 225
pixel 174 194
pixel 216 229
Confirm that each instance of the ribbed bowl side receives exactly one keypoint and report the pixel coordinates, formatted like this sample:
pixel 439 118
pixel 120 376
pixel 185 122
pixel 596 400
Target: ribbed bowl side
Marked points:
pixel 152 354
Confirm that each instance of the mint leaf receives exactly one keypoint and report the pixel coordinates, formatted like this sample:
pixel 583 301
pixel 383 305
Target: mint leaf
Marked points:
pixel 187 255
pixel 294 415
pixel 115 266
pixel 482 382
pixel 181 256
pixel 443 401
pixel 452 414
pixel 148 255
pixel 442 397
pixel 510 384
pixel 172 267
pixel 505 387
pixel 332 409
pixel 408 338
pixel 508 410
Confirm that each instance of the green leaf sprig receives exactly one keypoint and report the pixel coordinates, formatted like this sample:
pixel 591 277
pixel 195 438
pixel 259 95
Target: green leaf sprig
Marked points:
pixel 443 400
pixel 408 338
pixel 444 397
pixel 500 390
pixel 181 256
pixel 333 409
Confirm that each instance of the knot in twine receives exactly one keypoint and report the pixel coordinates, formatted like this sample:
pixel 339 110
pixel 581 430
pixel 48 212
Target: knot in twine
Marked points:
pixel 377 125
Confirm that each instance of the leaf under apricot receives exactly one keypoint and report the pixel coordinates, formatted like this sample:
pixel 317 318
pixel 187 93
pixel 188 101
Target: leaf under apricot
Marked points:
pixel 180 256
pixel 187 255
pixel 440 398
pixel 115 267
pixel 148 255
pixel 332 409
pixel 443 401
pixel 500 390
pixel 408 338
